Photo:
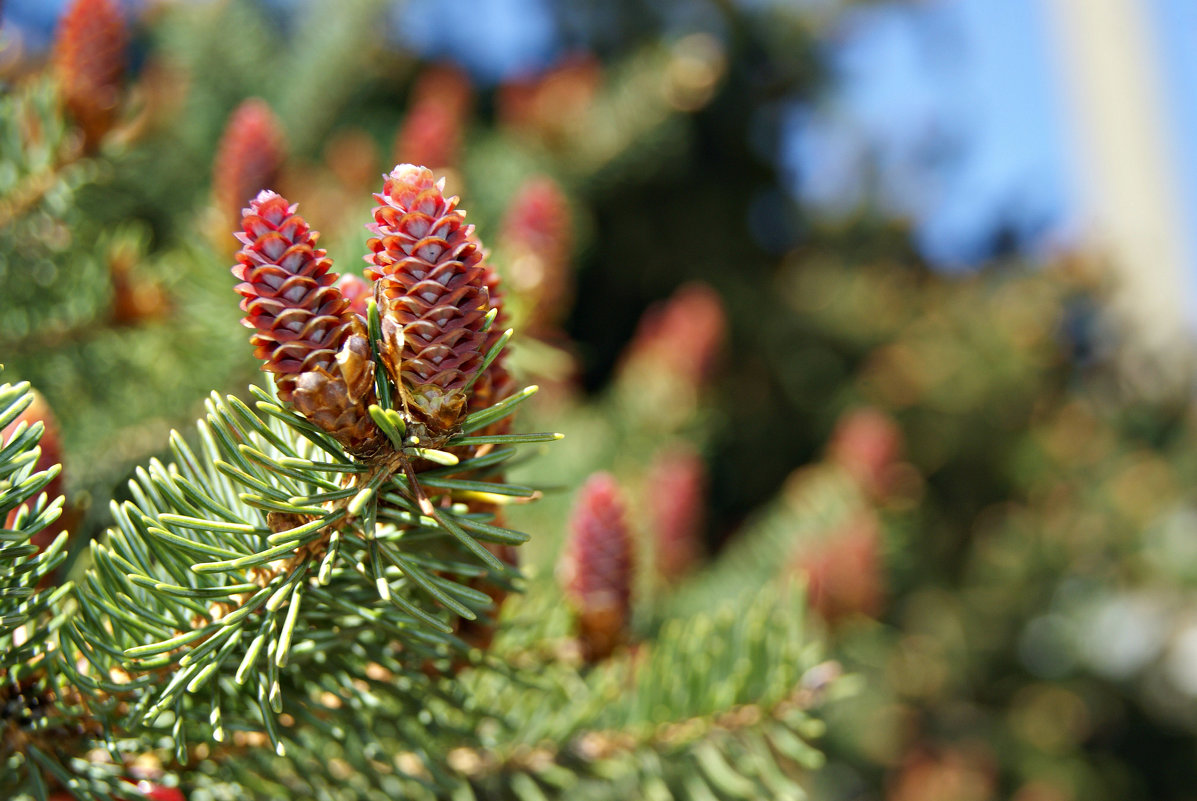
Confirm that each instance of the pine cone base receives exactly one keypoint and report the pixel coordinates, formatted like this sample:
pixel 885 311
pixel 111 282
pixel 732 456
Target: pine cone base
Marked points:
pixel 337 400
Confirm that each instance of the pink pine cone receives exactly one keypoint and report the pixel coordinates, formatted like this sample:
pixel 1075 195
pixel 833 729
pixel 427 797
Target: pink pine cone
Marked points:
pixel 356 291
pixel 432 287
pixel 676 488
pixel 537 238
pixel 596 568
pixel 684 334
pixel 432 132
pixel 89 62
pixel 250 156
pixel 868 444
pixel 845 570
pixel 304 330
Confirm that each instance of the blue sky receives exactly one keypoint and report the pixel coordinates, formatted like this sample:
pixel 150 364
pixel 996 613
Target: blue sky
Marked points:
pixel 951 112
pixel 1174 23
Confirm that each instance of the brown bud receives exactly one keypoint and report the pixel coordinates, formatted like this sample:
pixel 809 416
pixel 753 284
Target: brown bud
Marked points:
pixel 336 399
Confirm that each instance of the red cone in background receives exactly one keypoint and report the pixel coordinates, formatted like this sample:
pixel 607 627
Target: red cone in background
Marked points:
pixel 431 133
pixel 356 292
pixel 537 240
pixel 305 331
pixel 868 444
pixel 249 158
pixel 845 574
pixel 89 62
pixel 596 567
pixel 682 335
pixel 676 492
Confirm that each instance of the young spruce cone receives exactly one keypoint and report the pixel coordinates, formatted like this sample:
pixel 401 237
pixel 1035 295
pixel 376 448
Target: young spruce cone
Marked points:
pixel 249 159
pixel 356 292
pixel 89 61
pixel 305 331
pixel 845 569
pixel 868 444
pixel 596 568
pixel 537 239
pixel 432 132
pixel 432 288
pixel 676 485
pixel 681 336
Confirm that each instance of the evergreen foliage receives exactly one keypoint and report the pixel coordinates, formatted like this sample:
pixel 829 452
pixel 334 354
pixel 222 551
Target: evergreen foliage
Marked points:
pixel 940 487
pixel 262 605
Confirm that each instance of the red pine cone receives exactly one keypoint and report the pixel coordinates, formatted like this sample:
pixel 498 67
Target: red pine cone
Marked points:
pixel 684 334
pixel 868 444
pixel 432 132
pixel 249 159
pixel 430 135
pixel 538 239
pixel 356 291
pixel 432 281
pixel 305 331
pixel 596 567
pixel 845 574
pixel 676 489
pixel 555 104
pixel 496 383
pixel 51 454
pixel 89 61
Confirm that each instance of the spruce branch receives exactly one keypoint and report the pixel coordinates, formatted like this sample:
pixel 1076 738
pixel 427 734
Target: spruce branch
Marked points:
pixel 717 705
pixel 43 723
pixel 315 531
